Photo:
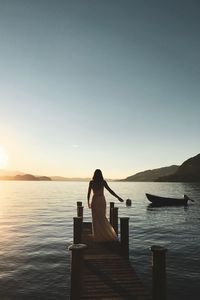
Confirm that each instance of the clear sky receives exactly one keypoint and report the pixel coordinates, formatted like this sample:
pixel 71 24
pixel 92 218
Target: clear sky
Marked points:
pixel 103 84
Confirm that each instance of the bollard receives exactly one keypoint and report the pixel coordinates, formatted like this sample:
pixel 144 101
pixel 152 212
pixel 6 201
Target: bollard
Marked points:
pixel 158 273
pixel 112 204
pixel 78 221
pixel 124 232
pixel 76 270
pixel 79 203
pixel 80 211
pixel 115 219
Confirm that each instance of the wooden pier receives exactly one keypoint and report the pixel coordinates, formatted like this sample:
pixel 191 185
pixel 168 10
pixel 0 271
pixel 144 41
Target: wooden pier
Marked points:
pixel 106 274
pixel 103 270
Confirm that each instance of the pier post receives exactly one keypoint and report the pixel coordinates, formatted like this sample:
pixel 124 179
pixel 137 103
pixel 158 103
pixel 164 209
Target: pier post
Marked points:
pixel 115 219
pixel 158 273
pixel 124 234
pixel 78 222
pixel 80 211
pixel 76 270
pixel 112 204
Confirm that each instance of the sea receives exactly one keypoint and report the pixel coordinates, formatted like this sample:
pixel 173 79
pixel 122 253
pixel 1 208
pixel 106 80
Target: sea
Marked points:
pixel 36 230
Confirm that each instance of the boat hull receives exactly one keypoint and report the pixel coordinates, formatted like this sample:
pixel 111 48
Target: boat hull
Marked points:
pixel 165 201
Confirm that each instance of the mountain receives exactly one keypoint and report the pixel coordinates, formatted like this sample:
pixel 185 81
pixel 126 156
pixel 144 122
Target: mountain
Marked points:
pixel 189 171
pixel 152 175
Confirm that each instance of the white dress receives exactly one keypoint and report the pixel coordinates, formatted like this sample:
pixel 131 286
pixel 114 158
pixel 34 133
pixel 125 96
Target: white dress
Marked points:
pixel 101 228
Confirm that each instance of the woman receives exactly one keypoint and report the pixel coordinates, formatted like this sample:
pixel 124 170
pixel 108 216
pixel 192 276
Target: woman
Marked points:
pixel 102 230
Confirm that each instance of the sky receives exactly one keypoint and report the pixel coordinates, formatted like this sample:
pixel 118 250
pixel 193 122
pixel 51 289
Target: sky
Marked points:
pixel 104 84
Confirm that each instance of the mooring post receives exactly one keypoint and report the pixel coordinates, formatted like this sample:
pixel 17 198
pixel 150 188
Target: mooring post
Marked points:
pixel 158 273
pixel 115 219
pixel 78 221
pixel 124 234
pixel 79 203
pixel 80 211
pixel 112 204
pixel 76 270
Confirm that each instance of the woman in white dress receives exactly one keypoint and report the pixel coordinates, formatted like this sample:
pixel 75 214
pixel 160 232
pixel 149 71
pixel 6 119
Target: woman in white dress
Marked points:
pixel 102 230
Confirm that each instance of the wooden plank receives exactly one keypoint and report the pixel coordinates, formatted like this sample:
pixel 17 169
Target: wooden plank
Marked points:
pixel 106 274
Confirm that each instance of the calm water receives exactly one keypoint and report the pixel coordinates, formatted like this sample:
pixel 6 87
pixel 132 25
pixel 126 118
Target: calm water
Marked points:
pixel 36 228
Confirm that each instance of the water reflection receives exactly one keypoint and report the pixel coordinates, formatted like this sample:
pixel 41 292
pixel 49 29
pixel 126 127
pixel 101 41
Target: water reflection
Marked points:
pixel 36 228
pixel 152 207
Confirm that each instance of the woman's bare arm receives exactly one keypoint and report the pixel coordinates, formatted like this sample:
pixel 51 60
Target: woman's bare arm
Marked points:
pixel 112 192
pixel 88 194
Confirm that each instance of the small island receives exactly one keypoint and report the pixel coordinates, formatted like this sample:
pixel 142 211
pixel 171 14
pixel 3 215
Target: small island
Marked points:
pixel 26 177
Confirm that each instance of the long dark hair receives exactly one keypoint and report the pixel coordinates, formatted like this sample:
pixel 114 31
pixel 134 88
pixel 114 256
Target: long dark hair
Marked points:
pixel 98 179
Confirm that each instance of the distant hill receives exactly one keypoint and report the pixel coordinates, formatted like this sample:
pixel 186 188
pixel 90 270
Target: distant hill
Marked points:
pixel 83 179
pixel 189 171
pixel 28 177
pixel 152 175
pixel 32 177
pixel 61 178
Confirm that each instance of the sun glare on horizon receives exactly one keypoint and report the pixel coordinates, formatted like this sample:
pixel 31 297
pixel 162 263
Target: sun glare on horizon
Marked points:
pixel 3 158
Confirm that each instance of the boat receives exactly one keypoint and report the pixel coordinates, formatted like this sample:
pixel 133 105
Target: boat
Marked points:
pixel 165 201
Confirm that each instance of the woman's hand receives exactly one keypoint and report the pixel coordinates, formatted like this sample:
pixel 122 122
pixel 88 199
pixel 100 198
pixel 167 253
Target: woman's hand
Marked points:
pixel 120 199
pixel 89 205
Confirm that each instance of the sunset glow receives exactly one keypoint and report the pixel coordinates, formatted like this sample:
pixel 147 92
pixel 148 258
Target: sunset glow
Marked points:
pixel 3 158
pixel 98 84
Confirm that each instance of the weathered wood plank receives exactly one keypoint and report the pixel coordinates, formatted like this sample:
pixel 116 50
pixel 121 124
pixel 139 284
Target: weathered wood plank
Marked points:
pixel 107 275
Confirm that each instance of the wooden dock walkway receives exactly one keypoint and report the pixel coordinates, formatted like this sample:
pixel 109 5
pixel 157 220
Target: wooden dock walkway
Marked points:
pixel 106 274
pixel 103 270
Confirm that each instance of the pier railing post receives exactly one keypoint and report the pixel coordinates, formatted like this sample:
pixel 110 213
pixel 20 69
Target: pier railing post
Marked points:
pixel 115 219
pixel 80 211
pixel 124 234
pixel 112 204
pixel 76 270
pixel 78 221
pixel 158 273
pixel 79 203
